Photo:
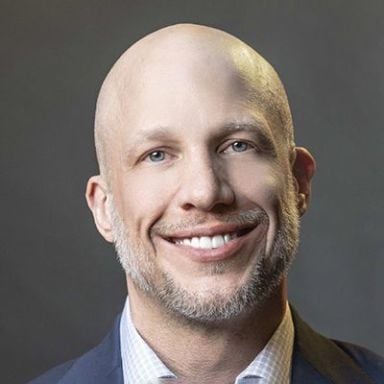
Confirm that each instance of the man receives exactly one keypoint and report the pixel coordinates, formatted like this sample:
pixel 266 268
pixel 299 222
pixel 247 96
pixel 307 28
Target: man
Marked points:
pixel 200 189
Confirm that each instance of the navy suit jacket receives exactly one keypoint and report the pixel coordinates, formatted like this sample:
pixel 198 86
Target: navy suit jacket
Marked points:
pixel 315 360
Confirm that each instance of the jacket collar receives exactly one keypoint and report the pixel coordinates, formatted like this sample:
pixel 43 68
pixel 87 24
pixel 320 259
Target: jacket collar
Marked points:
pixel 317 359
pixel 101 365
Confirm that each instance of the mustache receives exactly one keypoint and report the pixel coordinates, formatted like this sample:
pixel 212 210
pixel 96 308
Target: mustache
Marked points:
pixel 250 217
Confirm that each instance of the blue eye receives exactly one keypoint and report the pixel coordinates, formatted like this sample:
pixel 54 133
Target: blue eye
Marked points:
pixel 156 156
pixel 240 146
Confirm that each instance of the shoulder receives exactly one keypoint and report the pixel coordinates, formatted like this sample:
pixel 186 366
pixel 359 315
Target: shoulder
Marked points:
pixel 54 374
pixel 101 364
pixel 369 361
pixel 332 361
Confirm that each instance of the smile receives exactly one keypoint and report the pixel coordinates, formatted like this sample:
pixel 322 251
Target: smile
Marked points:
pixel 210 242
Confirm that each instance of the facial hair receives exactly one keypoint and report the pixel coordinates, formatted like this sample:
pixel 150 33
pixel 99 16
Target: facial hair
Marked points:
pixel 214 306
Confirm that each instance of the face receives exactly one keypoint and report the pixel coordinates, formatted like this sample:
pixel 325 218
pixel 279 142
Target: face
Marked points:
pixel 202 202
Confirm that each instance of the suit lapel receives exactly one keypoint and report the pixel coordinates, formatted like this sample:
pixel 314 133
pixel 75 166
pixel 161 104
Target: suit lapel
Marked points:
pixel 317 359
pixel 101 365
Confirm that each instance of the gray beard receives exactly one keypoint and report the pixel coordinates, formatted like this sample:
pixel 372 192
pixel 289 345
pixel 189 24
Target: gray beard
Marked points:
pixel 217 306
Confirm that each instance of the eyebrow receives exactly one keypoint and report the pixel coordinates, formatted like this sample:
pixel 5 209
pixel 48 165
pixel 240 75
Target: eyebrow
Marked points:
pixel 156 134
pixel 258 129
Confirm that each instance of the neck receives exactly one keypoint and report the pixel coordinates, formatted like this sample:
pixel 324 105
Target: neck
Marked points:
pixel 207 350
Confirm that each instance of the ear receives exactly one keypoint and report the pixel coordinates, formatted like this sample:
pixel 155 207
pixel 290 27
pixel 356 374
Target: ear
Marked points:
pixel 97 199
pixel 303 169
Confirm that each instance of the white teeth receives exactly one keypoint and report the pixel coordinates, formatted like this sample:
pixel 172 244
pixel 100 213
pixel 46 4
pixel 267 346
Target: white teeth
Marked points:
pixel 206 242
pixel 218 241
pixel 195 242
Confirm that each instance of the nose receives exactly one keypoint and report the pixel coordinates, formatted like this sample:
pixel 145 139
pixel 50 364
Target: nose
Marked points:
pixel 204 186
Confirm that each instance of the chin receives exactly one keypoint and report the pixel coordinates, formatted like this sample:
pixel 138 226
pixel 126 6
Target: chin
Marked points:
pixel 223 298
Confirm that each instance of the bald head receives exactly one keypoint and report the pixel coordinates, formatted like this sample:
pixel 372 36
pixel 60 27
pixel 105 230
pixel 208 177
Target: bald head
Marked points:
pixel 185 56
pixel 200 186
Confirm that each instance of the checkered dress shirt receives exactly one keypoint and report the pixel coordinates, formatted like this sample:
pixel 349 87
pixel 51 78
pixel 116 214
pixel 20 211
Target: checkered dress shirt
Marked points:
pixel 141 365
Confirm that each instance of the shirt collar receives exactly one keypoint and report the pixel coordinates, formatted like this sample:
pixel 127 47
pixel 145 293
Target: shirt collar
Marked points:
pixel 140 362
pixel 271 366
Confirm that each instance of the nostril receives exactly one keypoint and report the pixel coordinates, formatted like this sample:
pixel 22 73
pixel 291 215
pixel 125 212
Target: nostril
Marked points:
pixel 204 187
pixel 188 206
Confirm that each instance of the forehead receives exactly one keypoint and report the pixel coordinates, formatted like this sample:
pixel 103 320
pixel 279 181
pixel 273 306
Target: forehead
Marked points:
pixel 191 90
pixel 193 87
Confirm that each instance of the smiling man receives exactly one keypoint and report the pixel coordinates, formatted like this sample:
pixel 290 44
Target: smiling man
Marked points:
pixel 200 189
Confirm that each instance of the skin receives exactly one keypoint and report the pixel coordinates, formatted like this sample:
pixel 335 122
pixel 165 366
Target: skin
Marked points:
pixel 171 168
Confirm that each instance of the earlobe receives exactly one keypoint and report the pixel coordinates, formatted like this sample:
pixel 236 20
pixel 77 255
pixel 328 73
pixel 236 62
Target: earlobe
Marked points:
pixel 303 169
pixel 97 198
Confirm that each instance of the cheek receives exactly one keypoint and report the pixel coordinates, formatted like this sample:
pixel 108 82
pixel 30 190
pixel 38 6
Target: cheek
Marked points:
pixel 258 184
pixel 143 198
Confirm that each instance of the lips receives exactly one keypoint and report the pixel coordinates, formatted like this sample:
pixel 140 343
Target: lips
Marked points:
pixel 210 239
pixel 209 242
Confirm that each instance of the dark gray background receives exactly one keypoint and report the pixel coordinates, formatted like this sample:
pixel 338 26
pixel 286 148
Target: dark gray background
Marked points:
pixel 60 286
